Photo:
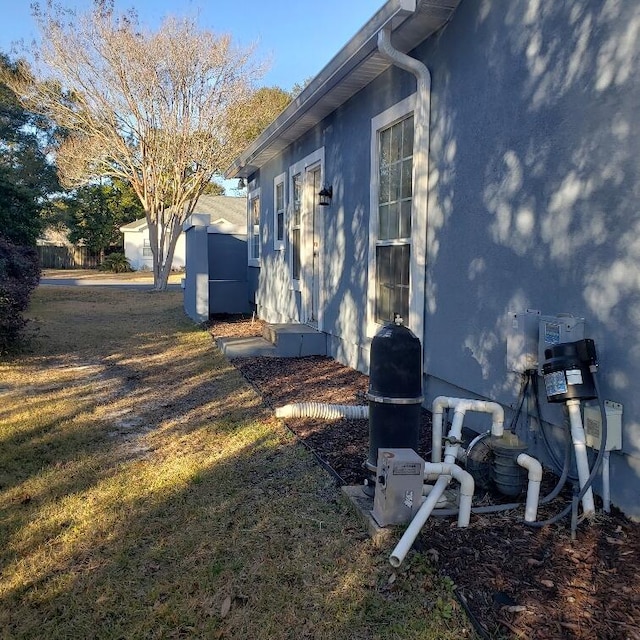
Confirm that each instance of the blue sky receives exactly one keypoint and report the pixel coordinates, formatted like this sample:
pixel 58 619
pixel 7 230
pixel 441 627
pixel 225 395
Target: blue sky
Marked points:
pixel 298 37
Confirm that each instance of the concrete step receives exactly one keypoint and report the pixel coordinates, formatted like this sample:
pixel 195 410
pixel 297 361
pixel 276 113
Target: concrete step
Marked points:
pixel 296 340
pixel 246 347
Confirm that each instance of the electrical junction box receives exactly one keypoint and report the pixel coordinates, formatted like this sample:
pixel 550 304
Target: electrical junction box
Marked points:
pixel 399 481
pixel 522 340
pixel 558 329
pixel 593 425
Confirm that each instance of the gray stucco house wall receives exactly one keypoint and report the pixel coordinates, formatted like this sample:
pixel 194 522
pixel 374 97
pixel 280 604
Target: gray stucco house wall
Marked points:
pixel 530 199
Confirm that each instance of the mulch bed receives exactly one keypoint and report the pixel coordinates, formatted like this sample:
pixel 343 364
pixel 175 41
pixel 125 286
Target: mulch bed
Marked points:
pixel 514 581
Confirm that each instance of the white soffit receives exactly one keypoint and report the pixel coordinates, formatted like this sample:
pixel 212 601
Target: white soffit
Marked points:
pixel 356 65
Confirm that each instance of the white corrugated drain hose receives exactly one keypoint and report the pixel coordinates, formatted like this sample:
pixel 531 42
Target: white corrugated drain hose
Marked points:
pixel 322 410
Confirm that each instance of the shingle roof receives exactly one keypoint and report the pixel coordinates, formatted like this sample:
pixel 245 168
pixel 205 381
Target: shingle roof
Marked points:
pixel 231 209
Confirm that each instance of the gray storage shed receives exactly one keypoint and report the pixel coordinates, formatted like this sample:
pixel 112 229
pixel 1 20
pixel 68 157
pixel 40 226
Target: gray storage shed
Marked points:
pixel 216 258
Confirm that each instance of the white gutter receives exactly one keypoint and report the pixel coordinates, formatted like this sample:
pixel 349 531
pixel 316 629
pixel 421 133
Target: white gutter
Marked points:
pixel 393 13
pixel 421 120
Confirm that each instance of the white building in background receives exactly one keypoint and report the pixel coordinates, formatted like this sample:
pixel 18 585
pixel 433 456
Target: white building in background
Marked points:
pixel 137 248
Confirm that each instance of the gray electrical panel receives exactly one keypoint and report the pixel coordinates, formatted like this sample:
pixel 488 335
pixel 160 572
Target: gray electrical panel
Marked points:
pixel 558 330
pixel 522 341
pixel 399 482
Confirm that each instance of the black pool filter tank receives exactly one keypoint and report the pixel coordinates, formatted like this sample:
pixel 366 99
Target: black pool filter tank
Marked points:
pixel 567 373
pixel 395 391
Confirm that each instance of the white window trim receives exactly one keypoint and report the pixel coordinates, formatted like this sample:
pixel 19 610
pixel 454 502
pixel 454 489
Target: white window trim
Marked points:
pixel 417 266
pixel 317 157
pixel 279 245
pixel 251 196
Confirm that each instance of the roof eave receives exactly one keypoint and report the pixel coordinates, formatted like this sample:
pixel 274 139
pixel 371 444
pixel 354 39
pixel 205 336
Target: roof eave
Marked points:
pixel 349 58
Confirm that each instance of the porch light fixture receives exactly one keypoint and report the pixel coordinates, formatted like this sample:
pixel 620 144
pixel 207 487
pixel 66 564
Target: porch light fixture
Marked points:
pixel 241 184
pixel 325 194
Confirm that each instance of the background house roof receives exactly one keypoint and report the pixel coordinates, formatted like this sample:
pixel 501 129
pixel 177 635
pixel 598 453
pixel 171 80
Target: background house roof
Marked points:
pixel 352 68
pixel 230 209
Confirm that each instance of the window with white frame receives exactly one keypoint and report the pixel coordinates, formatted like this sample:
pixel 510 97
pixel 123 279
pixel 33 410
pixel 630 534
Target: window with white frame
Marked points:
pixel 393 244
pixel 146 248
pixel 279 208
pixel 396 231
pixel 254 228
pixel 296 219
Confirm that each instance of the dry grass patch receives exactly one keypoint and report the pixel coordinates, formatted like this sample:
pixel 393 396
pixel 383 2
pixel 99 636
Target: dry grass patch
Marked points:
pixel 146 492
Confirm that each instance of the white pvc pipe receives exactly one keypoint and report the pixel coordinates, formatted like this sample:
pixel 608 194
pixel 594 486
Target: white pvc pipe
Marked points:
pixel 534 468
pixel 467 486
pixel 449 470
pixel 322 410
pixel 606 485
pixel 580 449
pixel 461 405
pixel 403 546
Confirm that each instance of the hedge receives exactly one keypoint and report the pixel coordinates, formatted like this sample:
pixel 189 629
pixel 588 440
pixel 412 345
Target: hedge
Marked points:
pixel 19 276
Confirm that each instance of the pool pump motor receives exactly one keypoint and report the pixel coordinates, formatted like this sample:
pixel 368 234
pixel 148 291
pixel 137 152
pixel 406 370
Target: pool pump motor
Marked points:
pixel 567 371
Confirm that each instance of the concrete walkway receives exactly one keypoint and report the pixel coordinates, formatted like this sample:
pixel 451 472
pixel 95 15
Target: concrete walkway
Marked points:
pixel 90 278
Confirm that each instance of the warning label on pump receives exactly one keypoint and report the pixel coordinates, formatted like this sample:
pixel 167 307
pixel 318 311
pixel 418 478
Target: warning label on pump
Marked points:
pixel 555 383
pixel 407 469
pixel 574 376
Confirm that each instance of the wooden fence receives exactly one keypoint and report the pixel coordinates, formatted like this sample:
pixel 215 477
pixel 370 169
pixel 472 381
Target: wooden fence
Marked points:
pixel 66 257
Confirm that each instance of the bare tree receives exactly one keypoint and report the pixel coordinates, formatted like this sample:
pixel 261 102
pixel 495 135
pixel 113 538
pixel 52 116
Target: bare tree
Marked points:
pixel 158 110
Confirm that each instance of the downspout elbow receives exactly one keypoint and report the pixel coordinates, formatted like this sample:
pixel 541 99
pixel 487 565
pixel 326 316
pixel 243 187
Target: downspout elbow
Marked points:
pixel 402 60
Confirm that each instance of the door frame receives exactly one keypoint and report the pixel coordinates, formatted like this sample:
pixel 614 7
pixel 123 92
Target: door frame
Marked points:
pixel 306 167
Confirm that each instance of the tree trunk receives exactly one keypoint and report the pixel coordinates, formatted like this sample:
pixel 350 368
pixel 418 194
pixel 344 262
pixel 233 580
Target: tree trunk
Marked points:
pixel 162 252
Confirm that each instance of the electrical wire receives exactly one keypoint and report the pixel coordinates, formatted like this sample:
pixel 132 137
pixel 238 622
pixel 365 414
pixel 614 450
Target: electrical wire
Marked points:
pixel 545 438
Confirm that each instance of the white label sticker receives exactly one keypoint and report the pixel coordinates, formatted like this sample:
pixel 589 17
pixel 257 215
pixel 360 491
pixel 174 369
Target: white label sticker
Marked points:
pixel 551 333
pixel 574 376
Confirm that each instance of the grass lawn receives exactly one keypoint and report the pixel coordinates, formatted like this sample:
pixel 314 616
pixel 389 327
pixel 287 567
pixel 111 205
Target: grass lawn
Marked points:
pixel 145 492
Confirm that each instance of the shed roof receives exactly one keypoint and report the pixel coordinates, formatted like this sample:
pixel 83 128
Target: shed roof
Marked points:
pixel 351 69
pixel 229 208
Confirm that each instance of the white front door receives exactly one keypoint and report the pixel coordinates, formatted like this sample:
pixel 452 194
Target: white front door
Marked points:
pixel 312 245
pixel 315 215
pixel 306 235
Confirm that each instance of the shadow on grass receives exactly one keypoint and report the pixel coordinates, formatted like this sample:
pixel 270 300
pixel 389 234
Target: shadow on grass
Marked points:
pixel 166 502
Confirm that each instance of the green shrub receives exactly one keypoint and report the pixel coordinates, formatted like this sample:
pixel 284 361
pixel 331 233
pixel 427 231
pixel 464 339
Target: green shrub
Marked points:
pixel 116 263
pixel 19 276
